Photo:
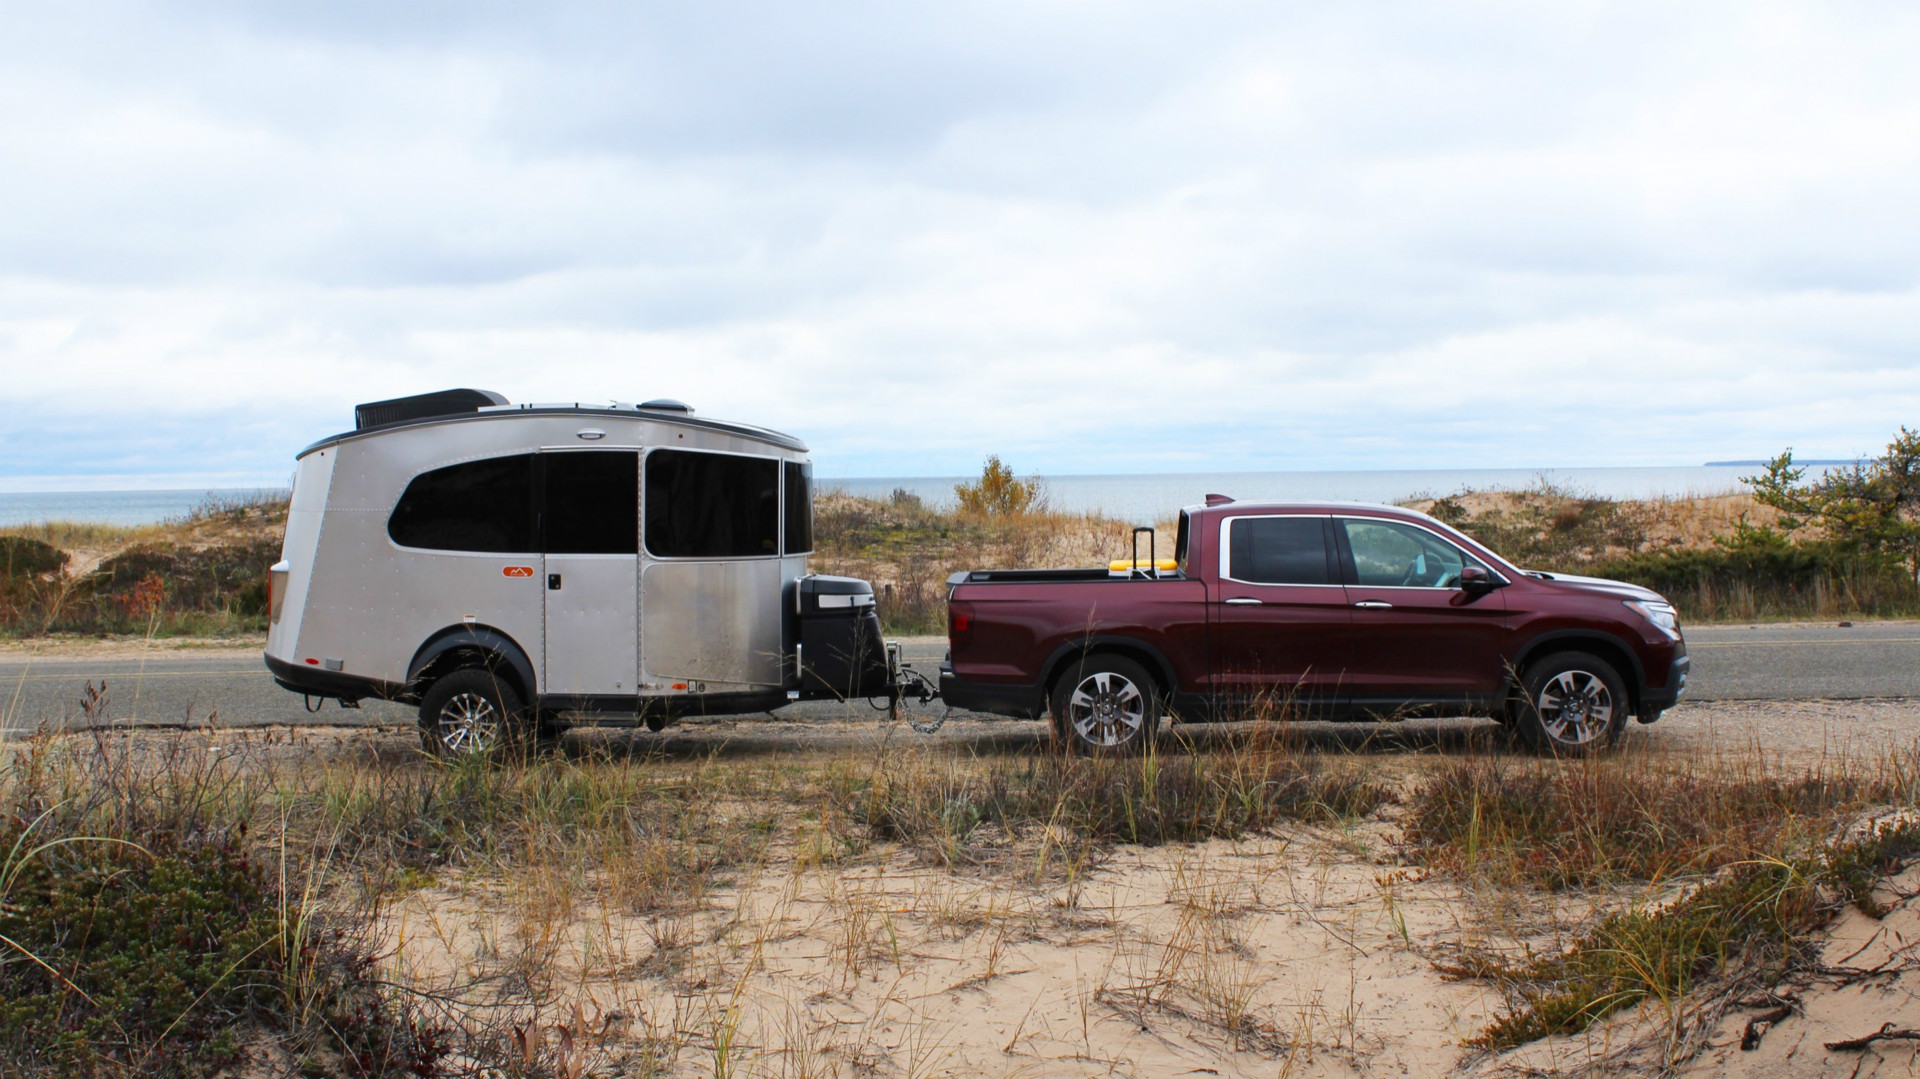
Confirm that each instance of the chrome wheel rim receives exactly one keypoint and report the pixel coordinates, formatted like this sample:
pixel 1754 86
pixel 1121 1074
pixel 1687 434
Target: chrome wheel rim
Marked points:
pixel 469 723
pixel 1576 707
pixel 1107 709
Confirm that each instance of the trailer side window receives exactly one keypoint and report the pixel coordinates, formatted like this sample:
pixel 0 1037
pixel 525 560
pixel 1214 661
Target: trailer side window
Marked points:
pixel 799 507
pixel 712 505
pixel 474 506
pixel 591 502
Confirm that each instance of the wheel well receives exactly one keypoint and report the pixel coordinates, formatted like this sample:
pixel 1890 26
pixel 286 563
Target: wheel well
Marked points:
pixel 1146 657
pixel 1616 655
pixel 471 656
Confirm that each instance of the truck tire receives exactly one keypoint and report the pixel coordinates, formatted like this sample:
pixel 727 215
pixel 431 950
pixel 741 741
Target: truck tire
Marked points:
pixel 1571 704
pixel 471 710
pixel 1105 705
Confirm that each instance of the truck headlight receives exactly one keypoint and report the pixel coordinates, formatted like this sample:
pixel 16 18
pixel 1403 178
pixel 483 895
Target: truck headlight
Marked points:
pixel 1662 615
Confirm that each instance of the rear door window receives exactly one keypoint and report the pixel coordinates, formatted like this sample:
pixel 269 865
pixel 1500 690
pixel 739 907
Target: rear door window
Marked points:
pixel 712 505
pixel 484 506
pixel 590 502
pixel 1279 550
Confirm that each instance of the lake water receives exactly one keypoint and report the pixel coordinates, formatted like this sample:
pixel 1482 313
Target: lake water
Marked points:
pixel 1140 498
pixel 114 507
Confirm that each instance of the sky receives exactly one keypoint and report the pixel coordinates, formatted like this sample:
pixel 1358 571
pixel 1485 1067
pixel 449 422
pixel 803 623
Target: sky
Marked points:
pixel 1086 237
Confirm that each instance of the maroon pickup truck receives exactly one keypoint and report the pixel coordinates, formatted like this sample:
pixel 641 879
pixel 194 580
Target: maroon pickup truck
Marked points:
pixel 1323 610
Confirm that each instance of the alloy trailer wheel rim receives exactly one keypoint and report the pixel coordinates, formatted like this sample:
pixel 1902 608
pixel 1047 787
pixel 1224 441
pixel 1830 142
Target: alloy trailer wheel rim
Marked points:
pixel 469 723
pixel 1107 709
pixel 1576 707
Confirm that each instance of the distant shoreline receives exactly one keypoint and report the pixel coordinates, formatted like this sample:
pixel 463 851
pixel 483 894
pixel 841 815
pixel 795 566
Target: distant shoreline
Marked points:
pixel 1826 461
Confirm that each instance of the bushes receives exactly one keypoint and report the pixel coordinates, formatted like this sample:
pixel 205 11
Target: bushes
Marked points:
pixel 1760 575
pixel 174 956
pixel 944 808
pixel 23 556
pixel 170 587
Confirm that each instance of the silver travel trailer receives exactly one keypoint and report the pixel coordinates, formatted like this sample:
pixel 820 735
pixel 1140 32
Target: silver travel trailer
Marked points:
pixel 506 565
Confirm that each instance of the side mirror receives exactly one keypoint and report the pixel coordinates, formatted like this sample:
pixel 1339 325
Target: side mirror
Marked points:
pixel 1476 581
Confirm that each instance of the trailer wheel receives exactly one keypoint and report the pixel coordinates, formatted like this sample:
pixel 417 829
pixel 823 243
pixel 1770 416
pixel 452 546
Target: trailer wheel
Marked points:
pixel 470 711
pixel 1106 705
pixel 1571 704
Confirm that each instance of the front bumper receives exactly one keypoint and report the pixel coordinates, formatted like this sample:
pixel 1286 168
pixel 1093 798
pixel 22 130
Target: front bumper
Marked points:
pixel 1654 701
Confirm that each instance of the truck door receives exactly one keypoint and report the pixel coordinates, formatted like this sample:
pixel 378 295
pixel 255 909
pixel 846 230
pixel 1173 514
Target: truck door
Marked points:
pixel 589 505
pixel 1418 636
pixel 710 591
pixel 1281 623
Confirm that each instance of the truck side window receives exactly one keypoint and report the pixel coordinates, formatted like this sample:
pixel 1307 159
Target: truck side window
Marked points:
pixel 482 506
pixel 1391 554
pixel 712 505
pixel 591 503
pixel 799 507
pixel 1278 550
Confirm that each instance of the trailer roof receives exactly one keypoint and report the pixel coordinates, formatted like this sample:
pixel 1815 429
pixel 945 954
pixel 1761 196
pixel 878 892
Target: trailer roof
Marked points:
pixel 469 414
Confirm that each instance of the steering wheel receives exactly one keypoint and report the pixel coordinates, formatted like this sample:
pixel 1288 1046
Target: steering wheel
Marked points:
pixel 1448 580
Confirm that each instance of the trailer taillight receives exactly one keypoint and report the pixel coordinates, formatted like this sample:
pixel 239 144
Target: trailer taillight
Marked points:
pixel 277 588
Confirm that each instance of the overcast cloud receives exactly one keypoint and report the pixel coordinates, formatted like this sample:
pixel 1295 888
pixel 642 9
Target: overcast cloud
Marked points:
pixel 1091 237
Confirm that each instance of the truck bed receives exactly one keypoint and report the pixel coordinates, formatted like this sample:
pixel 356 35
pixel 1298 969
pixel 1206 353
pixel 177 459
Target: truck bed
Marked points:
pixel 1049 576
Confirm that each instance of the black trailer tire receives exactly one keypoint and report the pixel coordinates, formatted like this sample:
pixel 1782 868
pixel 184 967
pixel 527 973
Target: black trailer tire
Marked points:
pixel 470 711
pixel 1571 704
pixel 1105 705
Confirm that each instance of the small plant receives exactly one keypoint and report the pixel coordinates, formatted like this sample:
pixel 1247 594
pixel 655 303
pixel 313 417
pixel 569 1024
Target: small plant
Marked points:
pixel 998 493
pixel 1755 919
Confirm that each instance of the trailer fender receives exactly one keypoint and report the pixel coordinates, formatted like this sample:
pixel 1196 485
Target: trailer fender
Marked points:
pixel 442 652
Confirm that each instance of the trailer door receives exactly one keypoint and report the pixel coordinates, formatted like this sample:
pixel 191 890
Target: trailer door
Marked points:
pixel 711 594
pixel 590 527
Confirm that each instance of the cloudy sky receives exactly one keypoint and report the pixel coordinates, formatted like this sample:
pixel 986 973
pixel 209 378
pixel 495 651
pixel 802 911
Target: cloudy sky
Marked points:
pixel 1090 237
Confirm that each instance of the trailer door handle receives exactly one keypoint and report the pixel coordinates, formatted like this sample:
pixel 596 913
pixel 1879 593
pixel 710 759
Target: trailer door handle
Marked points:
pixel 553 582
pixel 1374 605
pixel 1243 601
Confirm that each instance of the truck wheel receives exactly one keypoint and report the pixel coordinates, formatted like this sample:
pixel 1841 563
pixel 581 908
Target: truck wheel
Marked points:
pixel 470 711
pixel 1574 704
pixel 1105 704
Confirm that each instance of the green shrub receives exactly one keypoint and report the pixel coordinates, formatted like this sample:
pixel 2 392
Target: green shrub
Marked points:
pixel 24 556
pixel 173 957
pixel 1757 573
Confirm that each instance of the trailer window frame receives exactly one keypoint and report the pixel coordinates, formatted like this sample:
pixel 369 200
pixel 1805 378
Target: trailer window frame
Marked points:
pixel 777 522
pixel 529 523
pixel 548 510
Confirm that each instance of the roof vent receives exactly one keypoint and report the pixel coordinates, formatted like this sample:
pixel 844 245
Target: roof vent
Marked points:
pixel 423 406
pixel 1218 500
pixel 667 404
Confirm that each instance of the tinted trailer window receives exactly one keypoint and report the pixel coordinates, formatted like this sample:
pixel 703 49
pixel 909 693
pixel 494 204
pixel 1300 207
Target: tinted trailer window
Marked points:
pixel 591 502
pixel 484 506
pixel 799 507
pixel 712 505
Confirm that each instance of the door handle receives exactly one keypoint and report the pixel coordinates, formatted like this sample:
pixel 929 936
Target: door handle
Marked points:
pixel 553 582
pixel 1374 604
pixel 1243 601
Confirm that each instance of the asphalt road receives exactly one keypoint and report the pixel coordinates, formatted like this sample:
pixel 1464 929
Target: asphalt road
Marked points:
pixel 189 687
